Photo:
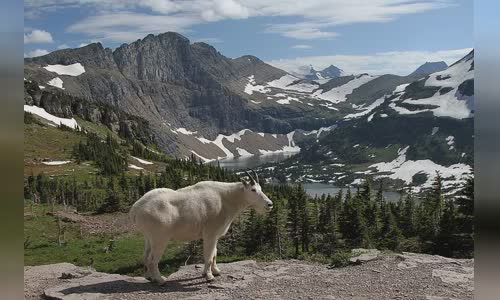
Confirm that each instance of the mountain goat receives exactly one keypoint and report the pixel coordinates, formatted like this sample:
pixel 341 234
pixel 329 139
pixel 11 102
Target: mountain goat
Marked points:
pixel 201 211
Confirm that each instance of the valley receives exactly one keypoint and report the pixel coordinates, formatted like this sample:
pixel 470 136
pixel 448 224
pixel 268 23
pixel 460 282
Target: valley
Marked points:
pixel 342 127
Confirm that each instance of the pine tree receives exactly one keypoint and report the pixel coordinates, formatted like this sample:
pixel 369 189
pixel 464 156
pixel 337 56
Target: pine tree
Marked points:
pixel 446 241
pixel 390 236
pixel 407 218
pixel 351 223
pixel 294 222
pixel 465 218
pixel 112 203
pixel 430 215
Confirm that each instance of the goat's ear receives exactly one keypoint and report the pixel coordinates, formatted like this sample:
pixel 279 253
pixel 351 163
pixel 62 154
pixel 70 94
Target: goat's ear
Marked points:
pixel 245 183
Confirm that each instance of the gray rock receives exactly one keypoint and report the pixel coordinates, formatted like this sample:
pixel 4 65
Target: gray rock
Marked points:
pixel 361 255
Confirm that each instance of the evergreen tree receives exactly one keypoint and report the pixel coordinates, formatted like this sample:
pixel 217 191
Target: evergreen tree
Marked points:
pixel 351 223
pixel 465 218
pixel 112 202
pixel 446 241
pixel 390 236
pixel 407 217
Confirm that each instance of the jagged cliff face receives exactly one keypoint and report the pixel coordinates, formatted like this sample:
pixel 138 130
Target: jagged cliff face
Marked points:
pixel 173 84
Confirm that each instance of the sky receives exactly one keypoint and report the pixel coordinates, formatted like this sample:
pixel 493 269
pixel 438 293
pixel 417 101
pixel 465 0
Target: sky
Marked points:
pixel 375 36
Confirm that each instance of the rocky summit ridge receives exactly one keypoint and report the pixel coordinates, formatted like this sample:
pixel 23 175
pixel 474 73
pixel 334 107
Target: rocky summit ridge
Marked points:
pixel 375 275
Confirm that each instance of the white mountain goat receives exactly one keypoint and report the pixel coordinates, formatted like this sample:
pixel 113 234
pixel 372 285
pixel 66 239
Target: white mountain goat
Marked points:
pixel 201 211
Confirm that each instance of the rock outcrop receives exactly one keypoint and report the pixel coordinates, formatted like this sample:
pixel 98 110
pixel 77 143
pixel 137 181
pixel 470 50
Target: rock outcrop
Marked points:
pixel 390 276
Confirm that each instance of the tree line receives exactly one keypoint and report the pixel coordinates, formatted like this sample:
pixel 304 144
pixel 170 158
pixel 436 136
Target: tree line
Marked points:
pixel 299 225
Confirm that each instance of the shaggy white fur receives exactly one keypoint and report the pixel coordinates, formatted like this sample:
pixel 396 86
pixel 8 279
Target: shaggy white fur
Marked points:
pixel 204 210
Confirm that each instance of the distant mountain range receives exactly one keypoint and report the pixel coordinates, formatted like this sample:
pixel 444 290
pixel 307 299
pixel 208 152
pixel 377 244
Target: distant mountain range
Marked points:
pixel 197 101
pixel 405 136
pixel 327 73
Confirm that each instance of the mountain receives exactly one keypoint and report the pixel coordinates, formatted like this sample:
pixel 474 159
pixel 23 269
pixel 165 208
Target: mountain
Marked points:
pixel 404 136
pixel 194 99
pixel 187 98
pixel 175 85
pixel 327 73
pixel 430 67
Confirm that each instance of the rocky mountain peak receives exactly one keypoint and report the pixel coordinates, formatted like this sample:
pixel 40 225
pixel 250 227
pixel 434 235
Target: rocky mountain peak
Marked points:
pixel 332 71
pixel 429 67
pixel 91 55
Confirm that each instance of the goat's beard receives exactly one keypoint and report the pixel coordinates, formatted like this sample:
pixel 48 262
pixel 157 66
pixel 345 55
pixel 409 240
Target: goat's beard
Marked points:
pixel 260 209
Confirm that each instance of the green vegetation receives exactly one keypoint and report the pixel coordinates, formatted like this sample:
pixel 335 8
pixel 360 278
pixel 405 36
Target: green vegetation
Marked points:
pixel 109 157
pixel 322 228
pixel 48 240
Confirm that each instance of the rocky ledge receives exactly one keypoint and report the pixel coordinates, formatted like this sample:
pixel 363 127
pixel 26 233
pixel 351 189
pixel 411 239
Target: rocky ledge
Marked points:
pixel 373 275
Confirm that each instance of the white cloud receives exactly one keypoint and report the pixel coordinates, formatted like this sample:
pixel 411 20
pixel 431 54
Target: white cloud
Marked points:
pixel 394 62
pixel 302 31
pixel 38 36
pixel 127 20
pixel 208 40
pixel 63 46
pixel 36 52
pixel 300 46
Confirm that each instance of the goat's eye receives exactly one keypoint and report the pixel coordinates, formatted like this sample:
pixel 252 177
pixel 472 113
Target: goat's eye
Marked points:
pixel 253 190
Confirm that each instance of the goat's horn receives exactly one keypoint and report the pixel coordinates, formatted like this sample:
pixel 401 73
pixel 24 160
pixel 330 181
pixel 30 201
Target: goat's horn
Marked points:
pixel 252 180
pixel 255 175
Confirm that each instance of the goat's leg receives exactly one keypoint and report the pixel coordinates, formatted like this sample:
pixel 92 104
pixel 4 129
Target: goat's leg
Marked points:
pixel 147 257
pixel 208 255
pixel 157 249
pixel 215 269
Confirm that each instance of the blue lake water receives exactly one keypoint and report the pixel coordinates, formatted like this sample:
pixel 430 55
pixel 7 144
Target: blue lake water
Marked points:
pixel 249 162
pixel 313 188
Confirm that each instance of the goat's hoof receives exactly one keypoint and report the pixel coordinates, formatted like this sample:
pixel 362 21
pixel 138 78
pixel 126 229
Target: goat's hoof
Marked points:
pixel 209 277
pixel 216 272
pixel 159 281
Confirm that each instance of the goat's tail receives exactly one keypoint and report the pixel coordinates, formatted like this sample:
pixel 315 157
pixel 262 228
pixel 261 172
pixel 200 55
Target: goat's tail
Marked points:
pixel 132 214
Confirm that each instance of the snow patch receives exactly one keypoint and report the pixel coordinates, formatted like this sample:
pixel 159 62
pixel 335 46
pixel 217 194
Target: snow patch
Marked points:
pixel 403 169
pixel 70 70
pixel 434 130
pixel 368 109
pixel 183 131
pixel 56 82
pixel 144 162
pixel 56 162
pixel 243 152
pixel 45 115
pixel 132 166
pixel 339 94
pixel 253 87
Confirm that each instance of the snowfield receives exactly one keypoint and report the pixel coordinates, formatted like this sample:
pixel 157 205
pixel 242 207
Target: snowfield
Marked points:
pixel 404 169
pixel 368 109
pixel 56 82
pixel 70 70
pixel 253 87
pixel 453 103
pixel 45 115
pixel 221 142
pixel 339 94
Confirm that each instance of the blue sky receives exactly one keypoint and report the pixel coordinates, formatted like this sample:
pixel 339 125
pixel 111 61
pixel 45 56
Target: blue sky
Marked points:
pixel 375 36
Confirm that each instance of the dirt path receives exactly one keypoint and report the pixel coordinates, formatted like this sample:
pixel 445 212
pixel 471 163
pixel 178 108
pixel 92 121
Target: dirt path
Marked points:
pixel 390 276
pixel 115 223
